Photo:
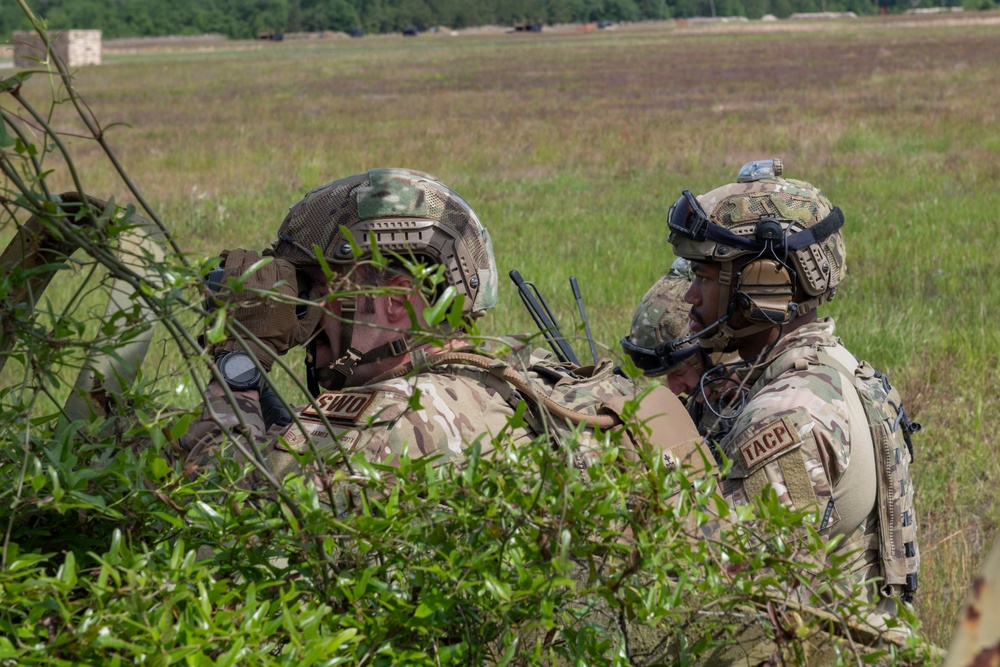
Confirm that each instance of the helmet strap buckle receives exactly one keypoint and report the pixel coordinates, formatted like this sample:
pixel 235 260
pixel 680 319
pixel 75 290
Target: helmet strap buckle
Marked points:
pixel 345 365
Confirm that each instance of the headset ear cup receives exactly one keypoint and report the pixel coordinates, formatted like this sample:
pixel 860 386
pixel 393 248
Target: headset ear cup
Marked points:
pixel 766 290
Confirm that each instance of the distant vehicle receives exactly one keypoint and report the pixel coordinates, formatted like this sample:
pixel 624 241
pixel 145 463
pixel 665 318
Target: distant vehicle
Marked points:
pixel 410 31
pixel 356 32
pixel 604 25
pixel 271 35
pixel 527 26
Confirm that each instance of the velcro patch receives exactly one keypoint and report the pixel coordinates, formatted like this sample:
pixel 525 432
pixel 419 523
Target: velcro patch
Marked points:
pixel 342 406
pixel 766 443
pixel 294 439
pixel 294 436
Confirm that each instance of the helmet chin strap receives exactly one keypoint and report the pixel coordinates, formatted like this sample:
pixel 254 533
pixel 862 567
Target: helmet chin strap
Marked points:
pixel 725 333
pixel 343 368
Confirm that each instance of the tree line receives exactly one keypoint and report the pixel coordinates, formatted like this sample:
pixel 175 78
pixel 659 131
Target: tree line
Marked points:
pixel 241 19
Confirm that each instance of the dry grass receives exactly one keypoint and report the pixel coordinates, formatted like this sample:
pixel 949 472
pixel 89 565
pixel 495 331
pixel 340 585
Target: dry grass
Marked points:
pixel 571 147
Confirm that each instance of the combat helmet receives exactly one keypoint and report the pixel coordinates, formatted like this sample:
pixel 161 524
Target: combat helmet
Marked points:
pixel 778 242
pixel 659 338
pixel 406 212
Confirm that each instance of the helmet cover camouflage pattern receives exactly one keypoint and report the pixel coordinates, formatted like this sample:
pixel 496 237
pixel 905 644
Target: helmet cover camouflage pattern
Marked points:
pixel 406 212
pixel 796 205
pixel 661 320
pixel 662 316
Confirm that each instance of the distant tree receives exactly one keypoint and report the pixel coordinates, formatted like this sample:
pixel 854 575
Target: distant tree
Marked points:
pixel 621 10
pixel 754 9
pixel 730 8
pixel 653 9
pixel 342 15
pixel 559 11
pixel 782 8
pixel 685 8
pixel 467 14
pixel 414 12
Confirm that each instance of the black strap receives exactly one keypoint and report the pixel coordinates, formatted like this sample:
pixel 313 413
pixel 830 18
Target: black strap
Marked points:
pixel 345 365
pixel 821 231
pixel 797 241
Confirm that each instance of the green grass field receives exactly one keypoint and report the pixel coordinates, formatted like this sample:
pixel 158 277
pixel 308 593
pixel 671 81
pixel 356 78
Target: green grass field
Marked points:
pixel 572 146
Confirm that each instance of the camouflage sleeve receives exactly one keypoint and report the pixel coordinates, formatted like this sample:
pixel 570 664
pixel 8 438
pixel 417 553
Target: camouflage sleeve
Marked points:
pixel 206 435
pixel 444 414
pixel 431 414
pixel 797 424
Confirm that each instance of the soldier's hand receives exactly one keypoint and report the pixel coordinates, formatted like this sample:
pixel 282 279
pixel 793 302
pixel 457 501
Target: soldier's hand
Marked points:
pixel 274 318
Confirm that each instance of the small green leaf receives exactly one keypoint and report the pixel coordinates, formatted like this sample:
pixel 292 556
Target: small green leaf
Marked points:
pixel 378 259
pixel 435 312
pixel 10 83
pixel 180 427
pixel 57 491
pixel 67 572
pixel 159 468
pixel 873 657
pixel 113 555
pixel 414 400
pixel 217 332
pixel 516 420
pixel 250 271
pixel 455 315
pixel 355 248
pixel 499 589
pixel 323 264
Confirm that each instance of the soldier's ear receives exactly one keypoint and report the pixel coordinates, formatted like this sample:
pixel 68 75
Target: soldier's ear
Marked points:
pixel 402 292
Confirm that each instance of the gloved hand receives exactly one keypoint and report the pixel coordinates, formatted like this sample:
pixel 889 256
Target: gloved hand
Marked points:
pixel 273 321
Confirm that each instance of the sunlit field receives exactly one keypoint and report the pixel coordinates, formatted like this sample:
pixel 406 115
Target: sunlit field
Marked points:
pixel 571 147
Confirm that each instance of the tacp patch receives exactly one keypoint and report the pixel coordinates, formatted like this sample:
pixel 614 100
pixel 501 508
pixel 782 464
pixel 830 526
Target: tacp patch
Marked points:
pixel 767 443
pixel 342 406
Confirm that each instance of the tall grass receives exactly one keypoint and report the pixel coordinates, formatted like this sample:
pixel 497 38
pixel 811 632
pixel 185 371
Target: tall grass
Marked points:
pixel 572 147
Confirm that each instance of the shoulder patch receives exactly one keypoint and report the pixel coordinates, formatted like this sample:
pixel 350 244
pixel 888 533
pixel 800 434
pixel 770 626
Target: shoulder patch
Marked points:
pixel 342 406
pixel 764 444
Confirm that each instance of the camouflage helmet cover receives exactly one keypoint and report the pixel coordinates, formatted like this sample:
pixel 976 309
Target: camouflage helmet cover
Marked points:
pixel 660 322
pixel 796 206
pixel 405 212
pixel 662 316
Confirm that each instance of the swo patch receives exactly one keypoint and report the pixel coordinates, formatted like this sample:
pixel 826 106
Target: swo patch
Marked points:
pixel 342 406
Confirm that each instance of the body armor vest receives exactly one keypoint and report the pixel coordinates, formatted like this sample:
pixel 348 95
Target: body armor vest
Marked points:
pixel 890 429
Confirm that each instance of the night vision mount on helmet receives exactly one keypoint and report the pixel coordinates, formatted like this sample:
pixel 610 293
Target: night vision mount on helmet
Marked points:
pixel 777 241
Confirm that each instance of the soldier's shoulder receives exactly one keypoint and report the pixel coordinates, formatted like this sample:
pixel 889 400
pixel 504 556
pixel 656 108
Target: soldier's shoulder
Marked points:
pixel 438 413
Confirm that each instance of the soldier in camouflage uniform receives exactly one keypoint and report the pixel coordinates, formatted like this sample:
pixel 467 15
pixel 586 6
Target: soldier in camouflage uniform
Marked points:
pixel 766 251
pixel 656 340
pixel 389 389
pixel 660 343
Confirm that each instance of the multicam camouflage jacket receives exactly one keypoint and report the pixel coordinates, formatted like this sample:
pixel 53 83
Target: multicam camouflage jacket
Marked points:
pixel 807 431
pixel 441 409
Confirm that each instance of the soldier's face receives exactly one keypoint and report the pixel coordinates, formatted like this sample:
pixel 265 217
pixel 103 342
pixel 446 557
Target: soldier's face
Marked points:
pixel 703 295
pixel 378 319
pixel 684 380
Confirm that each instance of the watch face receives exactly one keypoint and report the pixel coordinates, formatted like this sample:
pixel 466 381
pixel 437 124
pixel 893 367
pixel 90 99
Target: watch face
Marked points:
pixel 239 370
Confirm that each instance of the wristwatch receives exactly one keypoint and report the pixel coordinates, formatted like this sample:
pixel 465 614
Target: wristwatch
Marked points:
pixel 239 370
